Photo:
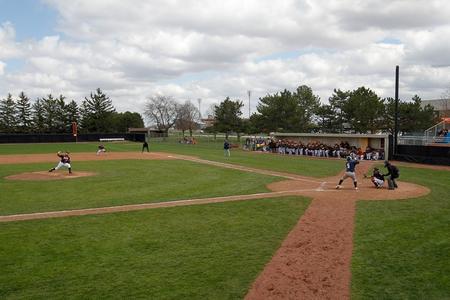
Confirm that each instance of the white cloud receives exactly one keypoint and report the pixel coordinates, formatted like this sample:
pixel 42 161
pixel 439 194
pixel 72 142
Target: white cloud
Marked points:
pixel 208 49
pixel 8 46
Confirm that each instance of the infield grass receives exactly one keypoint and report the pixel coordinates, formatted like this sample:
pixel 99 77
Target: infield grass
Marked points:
pixel 207 149
pixel 212 251
pixel 123 182
pixel 402 248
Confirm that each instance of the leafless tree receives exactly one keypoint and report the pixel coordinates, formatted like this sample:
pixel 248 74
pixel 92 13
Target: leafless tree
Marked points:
pixel 188 117
pixel 162 111
pixel 445 103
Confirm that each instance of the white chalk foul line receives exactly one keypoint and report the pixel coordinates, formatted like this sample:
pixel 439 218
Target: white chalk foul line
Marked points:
pixel 246 169
pixel 142 206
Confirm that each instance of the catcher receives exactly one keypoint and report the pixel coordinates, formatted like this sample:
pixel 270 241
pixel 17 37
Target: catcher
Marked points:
pixel 64 161
pixel 377 178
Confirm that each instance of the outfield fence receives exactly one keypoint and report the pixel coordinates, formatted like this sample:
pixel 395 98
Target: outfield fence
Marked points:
pixel 68 138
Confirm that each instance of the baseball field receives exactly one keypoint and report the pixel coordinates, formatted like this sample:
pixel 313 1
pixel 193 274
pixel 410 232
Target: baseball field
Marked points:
pixel 185 222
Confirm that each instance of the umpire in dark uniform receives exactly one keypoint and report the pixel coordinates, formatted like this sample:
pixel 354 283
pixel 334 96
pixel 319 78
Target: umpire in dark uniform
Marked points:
pixel 145 146
pixel 393 174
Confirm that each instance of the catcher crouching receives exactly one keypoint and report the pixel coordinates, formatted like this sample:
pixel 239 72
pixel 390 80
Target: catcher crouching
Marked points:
pixel 64 161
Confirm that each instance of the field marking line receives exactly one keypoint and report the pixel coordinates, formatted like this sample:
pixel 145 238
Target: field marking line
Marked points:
pixel 247 169
pixel 142 206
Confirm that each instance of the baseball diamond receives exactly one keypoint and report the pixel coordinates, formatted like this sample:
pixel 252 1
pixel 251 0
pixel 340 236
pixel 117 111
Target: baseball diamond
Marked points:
pixel 328 276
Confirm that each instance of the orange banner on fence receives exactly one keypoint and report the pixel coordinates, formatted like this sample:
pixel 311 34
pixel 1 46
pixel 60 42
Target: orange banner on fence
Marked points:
pixel 74 128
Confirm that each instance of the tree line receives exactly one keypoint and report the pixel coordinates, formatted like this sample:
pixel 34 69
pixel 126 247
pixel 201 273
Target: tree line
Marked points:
pixel 357 111
pixel 50 114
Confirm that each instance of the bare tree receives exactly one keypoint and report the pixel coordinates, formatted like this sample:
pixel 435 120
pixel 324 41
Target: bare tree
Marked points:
pixel 162 111
pixel 188 117
pixel 445 104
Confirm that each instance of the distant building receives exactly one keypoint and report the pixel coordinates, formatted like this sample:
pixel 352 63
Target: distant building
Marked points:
pixel 208 122
pixel 441 106
pixel 148 131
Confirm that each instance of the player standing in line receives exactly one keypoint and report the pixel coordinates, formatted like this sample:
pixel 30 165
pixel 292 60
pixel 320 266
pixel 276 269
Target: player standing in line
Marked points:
pixel 350 166
pixel 63 162
pixel 101 149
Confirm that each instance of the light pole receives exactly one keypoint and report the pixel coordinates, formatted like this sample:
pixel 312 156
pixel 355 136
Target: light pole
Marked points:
pixel 396 109
pixel 249 93
pixel 199 100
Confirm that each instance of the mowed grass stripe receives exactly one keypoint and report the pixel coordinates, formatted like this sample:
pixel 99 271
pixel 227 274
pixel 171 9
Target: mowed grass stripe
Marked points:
pixel 123 182
pixel 212 251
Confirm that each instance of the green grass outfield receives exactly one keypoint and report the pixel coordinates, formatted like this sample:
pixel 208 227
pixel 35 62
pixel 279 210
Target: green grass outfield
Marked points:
pixel 401 248
pixel 206 149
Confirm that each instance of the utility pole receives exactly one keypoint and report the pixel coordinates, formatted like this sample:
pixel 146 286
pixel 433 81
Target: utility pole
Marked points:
pixel 199 100
pixel 249 93
pixel 396 109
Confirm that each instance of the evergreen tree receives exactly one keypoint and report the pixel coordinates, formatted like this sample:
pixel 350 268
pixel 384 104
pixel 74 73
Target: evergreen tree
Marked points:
pixel 24 114
pixel 412 117
pixel 337 101
pixel 61 121
pixel 38 116
pixel 364 110
pixel 308 103
pixel 325 118
pixel 8 121
pixel 288 112
pixel 51 111
pixel 279 112
pixel 72 114
pixel 97 112
pixel 227 117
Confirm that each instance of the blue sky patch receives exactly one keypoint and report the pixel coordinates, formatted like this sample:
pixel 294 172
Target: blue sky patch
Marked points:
pixel 31 19
pixel 14 65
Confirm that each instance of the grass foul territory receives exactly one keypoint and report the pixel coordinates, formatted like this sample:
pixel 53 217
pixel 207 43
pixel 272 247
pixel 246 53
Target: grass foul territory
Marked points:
pixel 402 248
pixel 211 251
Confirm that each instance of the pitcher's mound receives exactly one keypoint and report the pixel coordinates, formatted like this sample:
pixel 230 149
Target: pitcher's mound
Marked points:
pixel 44 175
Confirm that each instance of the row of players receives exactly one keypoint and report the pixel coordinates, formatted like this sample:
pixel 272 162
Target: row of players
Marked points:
pixel 318 149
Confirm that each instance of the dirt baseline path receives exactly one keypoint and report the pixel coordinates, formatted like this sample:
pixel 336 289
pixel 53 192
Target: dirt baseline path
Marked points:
pixel 313 262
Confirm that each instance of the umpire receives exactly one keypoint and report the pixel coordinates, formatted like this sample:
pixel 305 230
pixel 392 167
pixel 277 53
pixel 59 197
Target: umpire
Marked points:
pixel 393 174
pixel 145 146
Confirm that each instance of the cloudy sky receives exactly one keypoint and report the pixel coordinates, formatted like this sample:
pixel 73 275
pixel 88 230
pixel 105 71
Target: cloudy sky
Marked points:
pixel 208 49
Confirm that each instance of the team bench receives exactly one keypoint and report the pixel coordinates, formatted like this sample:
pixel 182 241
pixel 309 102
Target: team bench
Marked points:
pixel 111 139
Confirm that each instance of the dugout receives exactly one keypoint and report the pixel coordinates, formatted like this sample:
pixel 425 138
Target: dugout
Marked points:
pixel 374 141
